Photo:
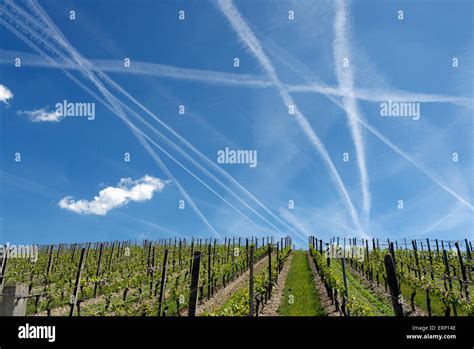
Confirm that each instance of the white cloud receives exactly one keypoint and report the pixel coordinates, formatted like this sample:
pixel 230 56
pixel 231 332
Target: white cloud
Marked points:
pixel 42 115
pixel 5 94
pixel 112 197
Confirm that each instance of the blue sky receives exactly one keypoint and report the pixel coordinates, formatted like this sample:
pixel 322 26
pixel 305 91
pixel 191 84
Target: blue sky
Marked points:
pixel 76 158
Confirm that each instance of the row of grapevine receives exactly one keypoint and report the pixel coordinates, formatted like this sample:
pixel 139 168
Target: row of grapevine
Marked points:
pixel 250 300
pixel 428 281
pixel 125 278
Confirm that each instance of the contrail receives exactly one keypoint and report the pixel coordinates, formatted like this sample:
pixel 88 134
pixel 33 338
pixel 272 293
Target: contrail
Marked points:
pixel 381 95
pixel 233 79
pixel 65 44
pixel 202 169
pixel 383 139
pixel 151 224
pixel 304 72
pixel 56 35
pixel 346 85
pixel 195 151
pixel 116 111
pixel 116 86
pixel 250 40
pixel 427 230
pixel 168 173
pixel 199 166
pixel 25 184
pixel 290 217
pixel 395 148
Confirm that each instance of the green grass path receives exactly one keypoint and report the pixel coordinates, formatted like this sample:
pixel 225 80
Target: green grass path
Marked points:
pixel 300 297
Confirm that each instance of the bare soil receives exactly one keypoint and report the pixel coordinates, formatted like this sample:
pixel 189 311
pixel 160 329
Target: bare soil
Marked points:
pixel 270 309
pixel 326 302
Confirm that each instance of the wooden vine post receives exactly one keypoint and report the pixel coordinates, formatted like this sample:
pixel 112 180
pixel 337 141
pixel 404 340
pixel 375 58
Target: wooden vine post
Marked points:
pixel 192 254
pixel 251 293
pixel 448 274
pixel 194 284
pixel 247 252
pixel 463 272
pixel 430 258
pixel 163 283
pixel 78 282
pixel 346 290
pixel 209 272
pixel 393 284
pixel 270 269
pixel 278 258
pixel 50 265
pixel 98 268
pixel 152 275
pixel 468 250
pixel 111 256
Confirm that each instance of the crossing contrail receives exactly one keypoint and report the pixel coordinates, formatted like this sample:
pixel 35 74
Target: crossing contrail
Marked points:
pixel 197 152
pixel 200 167
pixel 211 77
pixel 176 161
pixel 114 108
pixel 306 74
pixel 366 94
pixel 80 65
pixel 346 84
pixel 140 136
pixel 250 40
pixel 57 34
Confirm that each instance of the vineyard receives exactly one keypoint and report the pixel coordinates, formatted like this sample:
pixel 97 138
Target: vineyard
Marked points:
pixel 152 279
pixel 242 277
pixel 396 280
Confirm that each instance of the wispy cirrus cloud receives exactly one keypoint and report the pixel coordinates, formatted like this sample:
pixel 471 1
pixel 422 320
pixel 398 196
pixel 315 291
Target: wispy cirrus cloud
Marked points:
pixel 112 197
pixel 5 94
pixel 42 115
